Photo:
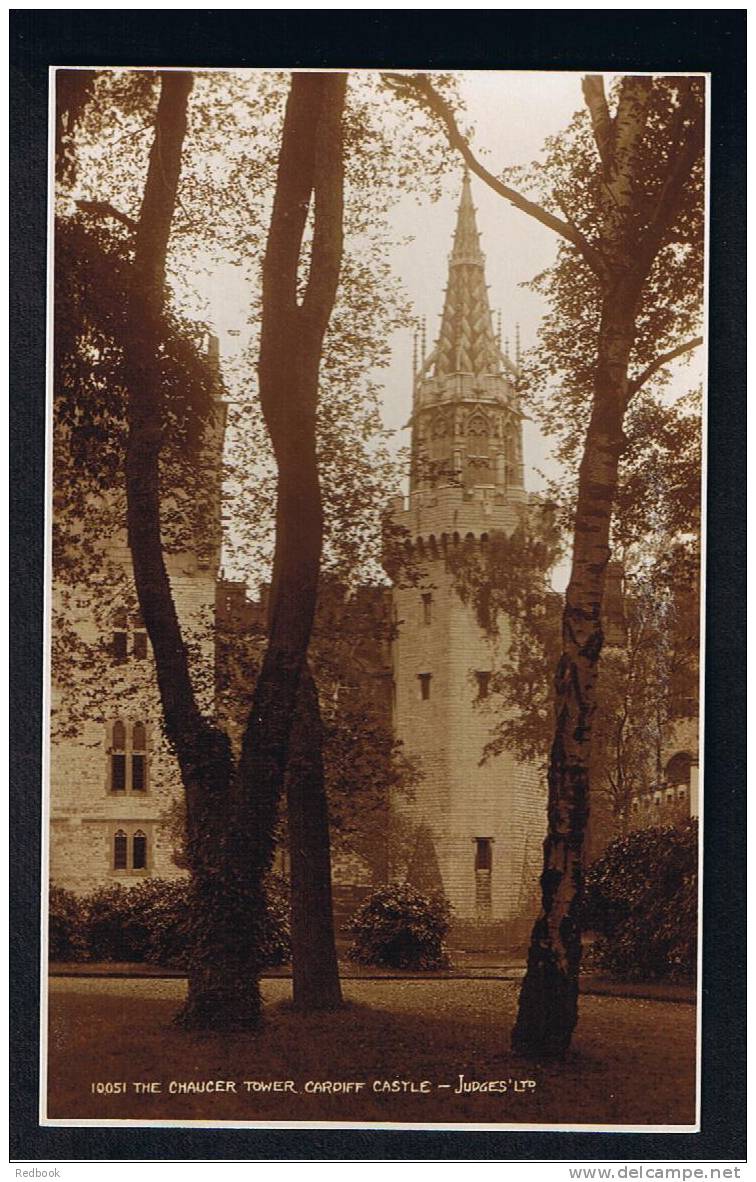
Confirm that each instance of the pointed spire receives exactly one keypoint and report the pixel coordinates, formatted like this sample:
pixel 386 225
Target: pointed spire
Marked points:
pixel 466 341
pixel 466 238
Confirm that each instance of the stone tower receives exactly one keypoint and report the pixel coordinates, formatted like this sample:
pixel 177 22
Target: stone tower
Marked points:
pixel 474 828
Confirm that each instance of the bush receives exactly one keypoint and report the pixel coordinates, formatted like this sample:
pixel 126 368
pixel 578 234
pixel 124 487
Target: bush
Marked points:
pixel 67 926
pixel 642 900
pixel 277 932
pixel 116 925
pixel 151 922
pixel 163 907
pixel 400 927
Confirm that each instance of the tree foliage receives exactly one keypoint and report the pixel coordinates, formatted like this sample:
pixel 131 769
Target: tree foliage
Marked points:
pixel 642 900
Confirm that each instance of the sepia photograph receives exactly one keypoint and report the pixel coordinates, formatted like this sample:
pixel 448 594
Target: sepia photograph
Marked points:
pixel 374 636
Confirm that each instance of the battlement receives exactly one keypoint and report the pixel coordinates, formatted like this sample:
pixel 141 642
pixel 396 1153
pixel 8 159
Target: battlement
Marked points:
pixel 450 515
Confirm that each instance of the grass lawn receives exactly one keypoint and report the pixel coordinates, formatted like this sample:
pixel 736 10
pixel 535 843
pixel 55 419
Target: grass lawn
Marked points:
pixel 633 1061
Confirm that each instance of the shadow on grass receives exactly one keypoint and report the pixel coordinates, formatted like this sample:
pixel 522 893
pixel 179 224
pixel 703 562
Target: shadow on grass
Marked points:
pixel 407 1043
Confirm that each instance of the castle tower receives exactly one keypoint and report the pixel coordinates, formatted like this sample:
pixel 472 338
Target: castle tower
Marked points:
pixel 473 827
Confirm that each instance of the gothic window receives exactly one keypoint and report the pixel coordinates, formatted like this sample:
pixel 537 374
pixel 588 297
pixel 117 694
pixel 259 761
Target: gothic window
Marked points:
pixel 425 683
pixel 118 758
pixel 483 678
pixel 139 851
pixel 479 427
pixel 127 757
pixel 427 602
pixel 120 850
pixel 129 850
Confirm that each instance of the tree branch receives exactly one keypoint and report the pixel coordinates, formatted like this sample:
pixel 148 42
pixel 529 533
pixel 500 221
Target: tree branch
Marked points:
pixel 104 209
pixel 419 87
pixel 185 726
pixel 669 196
pixel 635 384
pixel 601 120
pixel 328 189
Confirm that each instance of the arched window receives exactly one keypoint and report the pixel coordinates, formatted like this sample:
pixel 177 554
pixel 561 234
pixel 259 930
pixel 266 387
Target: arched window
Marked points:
pixel 139 848
pixel 138 757
pixel 120 850
pixel 677 770
pixel 118 758
pixel 127 757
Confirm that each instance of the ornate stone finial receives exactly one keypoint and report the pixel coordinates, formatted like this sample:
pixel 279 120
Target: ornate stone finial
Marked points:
pixel 498 328
pixel 518 350
pixel 414 353
pixel 423 344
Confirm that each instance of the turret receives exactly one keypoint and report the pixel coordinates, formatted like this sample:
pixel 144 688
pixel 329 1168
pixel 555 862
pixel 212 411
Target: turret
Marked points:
pixel 466 421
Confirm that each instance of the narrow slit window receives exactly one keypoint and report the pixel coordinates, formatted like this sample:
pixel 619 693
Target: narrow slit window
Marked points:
pixel 120 850
pixel 427 607
pixel 483 679
pixel 482 853
pixel 140 645
pixel 425 684
pixel 139 848
pixel 138 757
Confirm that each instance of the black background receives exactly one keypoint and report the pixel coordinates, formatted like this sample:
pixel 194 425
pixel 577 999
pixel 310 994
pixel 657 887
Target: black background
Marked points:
pixel 693 40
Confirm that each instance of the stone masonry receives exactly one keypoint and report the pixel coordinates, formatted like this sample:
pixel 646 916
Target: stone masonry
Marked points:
pixel 476 824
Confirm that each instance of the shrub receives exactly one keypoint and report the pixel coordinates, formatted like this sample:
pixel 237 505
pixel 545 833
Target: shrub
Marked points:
pixel 642 900
pixel 116 926
pixel 277 931
pixel 164 907
pixel 152 921
pixel 67 926
pixel 400 927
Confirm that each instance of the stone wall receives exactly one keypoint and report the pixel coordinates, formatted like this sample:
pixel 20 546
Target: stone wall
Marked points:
pixel 90 692
pixel 462 799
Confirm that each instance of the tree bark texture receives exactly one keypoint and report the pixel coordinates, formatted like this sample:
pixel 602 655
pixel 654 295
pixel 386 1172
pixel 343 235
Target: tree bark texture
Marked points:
pixel 315 967
pixel 310 168
pixel 231 812
pixel 547 1013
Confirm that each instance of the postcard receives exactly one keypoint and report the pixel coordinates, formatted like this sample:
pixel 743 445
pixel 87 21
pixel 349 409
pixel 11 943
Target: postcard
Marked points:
pixel 377 405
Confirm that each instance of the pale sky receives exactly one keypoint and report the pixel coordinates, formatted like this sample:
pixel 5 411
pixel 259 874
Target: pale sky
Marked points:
pixel 511 114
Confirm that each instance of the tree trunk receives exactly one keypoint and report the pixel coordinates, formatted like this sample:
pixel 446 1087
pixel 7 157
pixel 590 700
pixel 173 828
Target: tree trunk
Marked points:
pixel 315 967
pixel 547 1013
pixel 310 166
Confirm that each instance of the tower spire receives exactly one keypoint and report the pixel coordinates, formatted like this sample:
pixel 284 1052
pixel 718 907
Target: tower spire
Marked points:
pixel 466 341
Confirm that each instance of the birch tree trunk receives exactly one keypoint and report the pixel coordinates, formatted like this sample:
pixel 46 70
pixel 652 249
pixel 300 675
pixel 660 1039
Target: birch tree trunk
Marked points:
pixel 547 1013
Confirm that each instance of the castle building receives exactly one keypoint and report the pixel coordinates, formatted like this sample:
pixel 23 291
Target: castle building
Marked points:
pixel 474 826
pixel 115 787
